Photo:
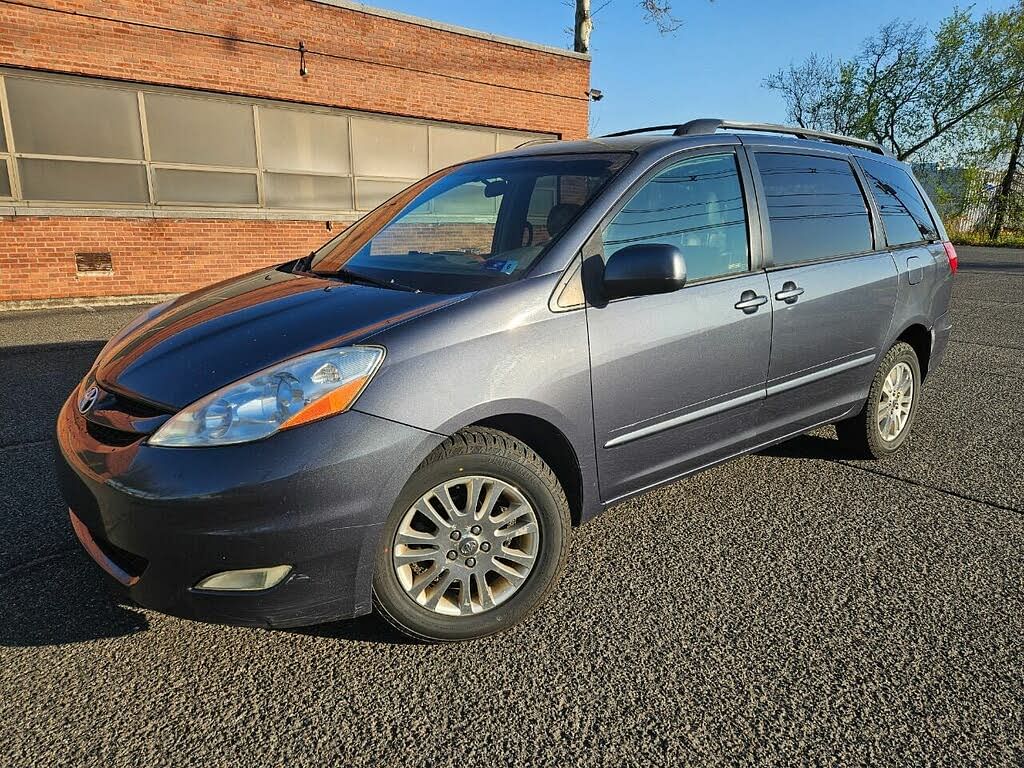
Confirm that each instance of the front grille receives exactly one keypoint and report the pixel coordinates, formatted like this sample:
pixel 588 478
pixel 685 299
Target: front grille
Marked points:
pixel 135 408
pixel 116 438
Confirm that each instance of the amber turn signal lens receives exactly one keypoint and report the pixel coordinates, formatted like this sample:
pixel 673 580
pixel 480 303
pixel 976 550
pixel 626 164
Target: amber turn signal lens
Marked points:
pixel 335 401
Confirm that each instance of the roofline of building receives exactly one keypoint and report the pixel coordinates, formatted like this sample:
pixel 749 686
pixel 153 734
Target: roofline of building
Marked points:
pixel 351 5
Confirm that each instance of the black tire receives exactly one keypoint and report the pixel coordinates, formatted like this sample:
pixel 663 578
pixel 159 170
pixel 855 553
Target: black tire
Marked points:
pixel 860 435
pixel 487 452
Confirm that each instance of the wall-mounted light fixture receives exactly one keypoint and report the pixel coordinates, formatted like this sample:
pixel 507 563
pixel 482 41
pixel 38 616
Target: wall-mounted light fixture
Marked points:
pixel 302 59
pixel 595 94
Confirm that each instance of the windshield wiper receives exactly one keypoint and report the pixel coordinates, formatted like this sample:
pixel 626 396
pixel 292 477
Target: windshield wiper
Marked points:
pixel 358 277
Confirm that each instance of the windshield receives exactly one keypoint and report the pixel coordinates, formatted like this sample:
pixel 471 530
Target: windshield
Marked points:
pixel 469 227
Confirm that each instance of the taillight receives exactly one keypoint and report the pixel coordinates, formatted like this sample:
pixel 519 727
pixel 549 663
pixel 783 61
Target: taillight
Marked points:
pixel 954 262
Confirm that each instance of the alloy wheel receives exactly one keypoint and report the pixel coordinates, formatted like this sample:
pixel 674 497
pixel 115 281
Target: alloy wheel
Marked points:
pixel 466 546
pixel 895 402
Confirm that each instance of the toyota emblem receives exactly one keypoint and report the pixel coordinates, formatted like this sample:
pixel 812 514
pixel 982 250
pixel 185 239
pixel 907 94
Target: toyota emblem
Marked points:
pixel 88 399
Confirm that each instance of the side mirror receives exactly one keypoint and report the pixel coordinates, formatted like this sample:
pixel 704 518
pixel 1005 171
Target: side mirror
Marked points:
pixel 644 269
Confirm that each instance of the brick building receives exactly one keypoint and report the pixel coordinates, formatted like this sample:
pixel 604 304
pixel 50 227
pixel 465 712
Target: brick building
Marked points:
pixel 154 147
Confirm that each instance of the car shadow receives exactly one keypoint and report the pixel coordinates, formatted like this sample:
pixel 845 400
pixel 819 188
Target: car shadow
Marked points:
pixel 809 447
pixel 365 629
pixel 51 592
pixel 60 599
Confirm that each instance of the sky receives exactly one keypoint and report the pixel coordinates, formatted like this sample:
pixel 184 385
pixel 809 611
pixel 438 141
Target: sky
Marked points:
pixel 711 67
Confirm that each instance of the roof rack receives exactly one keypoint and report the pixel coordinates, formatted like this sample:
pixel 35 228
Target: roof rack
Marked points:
pixel 705 126
pixel 532 142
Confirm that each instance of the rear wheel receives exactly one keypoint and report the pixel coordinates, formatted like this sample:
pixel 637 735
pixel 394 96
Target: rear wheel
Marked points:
pixel 884 424
pixel 476 541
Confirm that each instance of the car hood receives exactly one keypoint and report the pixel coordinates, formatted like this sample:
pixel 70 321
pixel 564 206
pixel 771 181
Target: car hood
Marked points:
pixel 210 338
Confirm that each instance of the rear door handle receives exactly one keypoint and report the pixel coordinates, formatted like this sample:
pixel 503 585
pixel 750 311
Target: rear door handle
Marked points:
pixel 750 301
pixel 790 292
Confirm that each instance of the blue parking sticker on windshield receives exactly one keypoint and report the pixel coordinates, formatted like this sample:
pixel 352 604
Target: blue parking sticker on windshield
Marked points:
pixel 505 267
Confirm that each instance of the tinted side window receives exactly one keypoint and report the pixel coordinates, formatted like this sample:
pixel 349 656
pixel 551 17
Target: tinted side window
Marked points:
pixel 815 207
pixel 697 206
pixel 904 213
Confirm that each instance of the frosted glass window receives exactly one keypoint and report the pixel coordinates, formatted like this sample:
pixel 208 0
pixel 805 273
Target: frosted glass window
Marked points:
pixel 87 182
pixel 176 186
pixel 288 190
pixel 200 131
pixel 52 118
pixel 467 200
pixel 297 141
pixel 449 146
pixel 386 148
pixel 370 192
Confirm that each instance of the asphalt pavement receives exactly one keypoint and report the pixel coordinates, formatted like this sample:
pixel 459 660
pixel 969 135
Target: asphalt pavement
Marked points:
pixel 791 607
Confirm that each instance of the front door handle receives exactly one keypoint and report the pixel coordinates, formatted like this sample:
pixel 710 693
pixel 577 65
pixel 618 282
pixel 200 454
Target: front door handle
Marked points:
pixel 750 301
pixel 790 292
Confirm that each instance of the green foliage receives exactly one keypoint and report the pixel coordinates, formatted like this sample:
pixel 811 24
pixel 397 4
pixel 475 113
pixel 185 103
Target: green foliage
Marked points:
pixel 1006 239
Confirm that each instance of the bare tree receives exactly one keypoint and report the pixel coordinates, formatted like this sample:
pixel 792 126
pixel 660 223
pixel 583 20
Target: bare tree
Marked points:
pixel 657 12
pixel 906 88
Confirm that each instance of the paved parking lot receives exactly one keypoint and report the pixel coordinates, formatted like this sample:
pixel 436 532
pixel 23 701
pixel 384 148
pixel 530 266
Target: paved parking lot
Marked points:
pixel 789 607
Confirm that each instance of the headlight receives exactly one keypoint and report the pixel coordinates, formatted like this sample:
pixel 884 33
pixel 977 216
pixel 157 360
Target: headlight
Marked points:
pixel 294 392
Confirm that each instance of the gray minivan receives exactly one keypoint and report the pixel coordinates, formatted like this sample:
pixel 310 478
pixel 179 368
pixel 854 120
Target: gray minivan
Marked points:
pixel 415 415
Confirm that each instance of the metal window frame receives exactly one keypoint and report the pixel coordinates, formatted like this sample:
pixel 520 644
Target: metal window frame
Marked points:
pixel 7 155
pixel 826 153
pixel 24 206
pixel 751 211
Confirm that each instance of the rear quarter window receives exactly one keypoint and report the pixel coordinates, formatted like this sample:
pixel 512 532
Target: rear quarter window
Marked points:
pixel 904 213
pixel 816 209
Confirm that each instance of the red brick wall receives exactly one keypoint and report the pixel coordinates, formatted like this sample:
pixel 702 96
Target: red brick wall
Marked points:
pixel 37 253
pixel 355 60
pixel 248 47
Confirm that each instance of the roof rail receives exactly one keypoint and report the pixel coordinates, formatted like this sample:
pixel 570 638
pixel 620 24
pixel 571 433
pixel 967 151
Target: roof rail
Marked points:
pixel 532 142
pixel 705 126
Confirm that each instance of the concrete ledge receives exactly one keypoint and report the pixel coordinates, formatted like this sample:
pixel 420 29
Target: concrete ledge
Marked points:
pixel 350 5
pixel 86 302
pixel 114 212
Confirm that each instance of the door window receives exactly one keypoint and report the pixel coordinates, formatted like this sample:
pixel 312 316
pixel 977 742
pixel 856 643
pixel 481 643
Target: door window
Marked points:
pixel 816 208
pixel 904 214
pixel 696 205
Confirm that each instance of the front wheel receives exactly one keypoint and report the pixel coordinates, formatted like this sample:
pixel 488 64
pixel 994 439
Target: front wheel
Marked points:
pixel 884 424
pixel 476 541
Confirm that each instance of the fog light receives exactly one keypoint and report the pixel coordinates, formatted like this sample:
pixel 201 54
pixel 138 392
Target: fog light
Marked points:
pixel 248 580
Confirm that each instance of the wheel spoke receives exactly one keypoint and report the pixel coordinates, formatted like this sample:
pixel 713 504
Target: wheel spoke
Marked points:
pixel 408 555
pixel 444 495
pixel 509 573
pixel 516 556
pixel 438 592
pixel 423 580
pixel 521 530
pixel 426 509
pixel 491 494
pixel 484 591
pixel 474 485
pixel 511 514
pixel 415 538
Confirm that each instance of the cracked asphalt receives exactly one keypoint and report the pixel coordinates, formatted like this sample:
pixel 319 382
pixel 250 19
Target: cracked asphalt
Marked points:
pixel 791 607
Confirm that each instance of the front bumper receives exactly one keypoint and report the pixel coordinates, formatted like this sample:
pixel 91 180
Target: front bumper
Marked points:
pixel 314 497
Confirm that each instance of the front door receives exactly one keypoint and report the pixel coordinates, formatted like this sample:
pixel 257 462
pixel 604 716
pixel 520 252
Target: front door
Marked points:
pixel 678 378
